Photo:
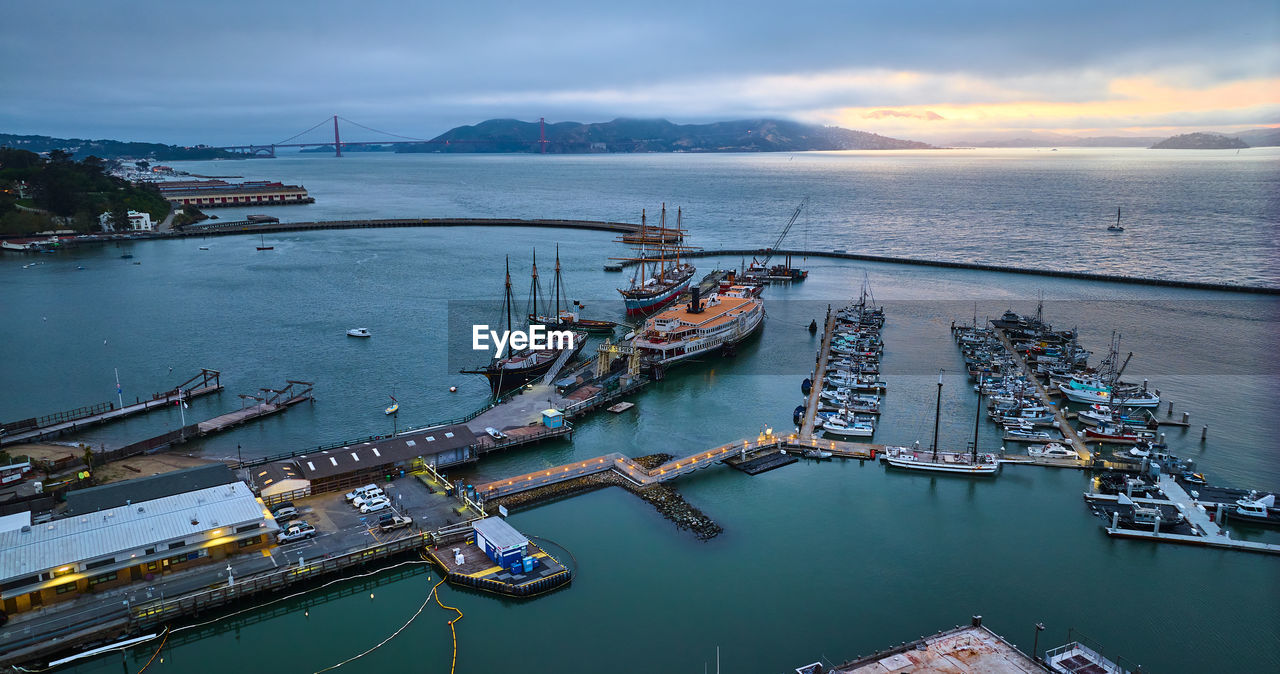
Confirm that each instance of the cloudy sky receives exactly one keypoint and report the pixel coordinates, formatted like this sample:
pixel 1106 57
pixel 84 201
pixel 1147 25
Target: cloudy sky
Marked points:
pixel 235 71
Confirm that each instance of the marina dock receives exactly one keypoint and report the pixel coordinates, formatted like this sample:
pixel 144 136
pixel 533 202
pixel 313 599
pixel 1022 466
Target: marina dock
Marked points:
pixel 276 400
pixel 819 376
pixel 71 421
pixel 1059 411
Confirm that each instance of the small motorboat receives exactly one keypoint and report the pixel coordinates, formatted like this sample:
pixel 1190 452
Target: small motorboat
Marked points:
pixel 204 248
pixel 127 256
pixel 838 426
pixel 1193 478
pixel 1052 450
pixel 359 332
pixel 1261 510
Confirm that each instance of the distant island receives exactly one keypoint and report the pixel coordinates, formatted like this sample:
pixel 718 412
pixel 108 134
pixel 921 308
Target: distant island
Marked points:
pixel 111 149
pixel 1200 141
pixel 657 135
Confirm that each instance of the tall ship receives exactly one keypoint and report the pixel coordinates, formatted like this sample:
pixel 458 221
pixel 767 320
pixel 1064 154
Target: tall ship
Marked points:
pixel 660 273
pixel 514 368
pixel 720 321
pixel 933 460
pixel 566 314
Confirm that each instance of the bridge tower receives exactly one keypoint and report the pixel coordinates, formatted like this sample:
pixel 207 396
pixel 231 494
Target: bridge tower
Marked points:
pixel 542 134
pixel 337 141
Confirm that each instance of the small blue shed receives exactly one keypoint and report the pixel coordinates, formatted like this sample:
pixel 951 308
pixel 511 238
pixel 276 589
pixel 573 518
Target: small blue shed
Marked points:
pixel 500 541
pixel 552 418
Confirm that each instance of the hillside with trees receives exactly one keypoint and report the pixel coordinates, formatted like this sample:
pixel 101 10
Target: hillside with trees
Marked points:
pixel 112 149
pixel 57 192
pixel 1200 141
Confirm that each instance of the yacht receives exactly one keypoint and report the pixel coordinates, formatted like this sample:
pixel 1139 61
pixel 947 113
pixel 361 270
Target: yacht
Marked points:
pixel 1053 450
pixel 842 427
pixel 359 332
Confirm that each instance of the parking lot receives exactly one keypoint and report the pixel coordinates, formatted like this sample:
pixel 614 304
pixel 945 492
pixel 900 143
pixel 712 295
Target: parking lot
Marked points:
pixel 340 527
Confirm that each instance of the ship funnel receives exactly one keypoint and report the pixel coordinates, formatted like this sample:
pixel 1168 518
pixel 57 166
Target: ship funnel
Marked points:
pixel 695 304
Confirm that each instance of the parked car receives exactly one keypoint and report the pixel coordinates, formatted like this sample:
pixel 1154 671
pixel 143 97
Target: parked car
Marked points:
pixel 296 532
pixel 374 505
pixel 284 513
pixel 495 433
pixel 391 522
pixel 368 496
pixel 360 491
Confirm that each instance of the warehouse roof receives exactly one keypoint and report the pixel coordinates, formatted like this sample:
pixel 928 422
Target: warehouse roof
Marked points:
pixel 383 452
pixel 116 494
pixel 95 536
pixel 502 535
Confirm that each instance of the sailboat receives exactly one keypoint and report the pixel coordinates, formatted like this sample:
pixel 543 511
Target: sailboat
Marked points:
pixel 263 245
pixel 566 318
pixel 659 279
pixel 513 369
pixel 962 463
pixel 395 406
pixel 1116 227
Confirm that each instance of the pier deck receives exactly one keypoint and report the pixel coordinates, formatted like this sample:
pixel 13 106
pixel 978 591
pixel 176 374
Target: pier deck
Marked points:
pixel 35 430
pixel 819 377
pixel 1059 411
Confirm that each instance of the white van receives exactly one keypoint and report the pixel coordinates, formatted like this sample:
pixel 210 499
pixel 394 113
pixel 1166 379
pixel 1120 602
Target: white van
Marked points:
pixel 361 491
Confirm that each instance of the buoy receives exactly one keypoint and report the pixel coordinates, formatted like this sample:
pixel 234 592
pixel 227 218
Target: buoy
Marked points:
pixel 453 389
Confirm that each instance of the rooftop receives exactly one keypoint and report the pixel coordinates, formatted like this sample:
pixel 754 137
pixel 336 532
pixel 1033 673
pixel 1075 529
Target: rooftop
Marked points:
pixel 963 649
pixel 499 533
pixel 392 450
pixel 128 528
pixel 140 489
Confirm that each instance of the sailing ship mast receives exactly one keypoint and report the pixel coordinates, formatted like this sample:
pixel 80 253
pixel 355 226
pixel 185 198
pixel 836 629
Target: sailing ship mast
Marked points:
pixel 507 303
pixel 937 417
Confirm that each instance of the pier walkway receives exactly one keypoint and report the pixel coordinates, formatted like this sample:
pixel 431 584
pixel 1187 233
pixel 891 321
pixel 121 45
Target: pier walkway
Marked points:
pixel 644 477
pixel 819 376
pixel 1064 426
pixel 53 425
pixel 244 227
pixel 280 401
pixel 1214 536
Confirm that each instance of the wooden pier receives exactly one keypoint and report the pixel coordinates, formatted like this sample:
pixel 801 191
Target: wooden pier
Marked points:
pixel 53 425
pixel 1063 424
pixel 819 377
pixel 273 401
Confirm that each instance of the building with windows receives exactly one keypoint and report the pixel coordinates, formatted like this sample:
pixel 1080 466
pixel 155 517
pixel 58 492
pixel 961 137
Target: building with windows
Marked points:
pixel 214 193
pixel 138 222
pixel 41 564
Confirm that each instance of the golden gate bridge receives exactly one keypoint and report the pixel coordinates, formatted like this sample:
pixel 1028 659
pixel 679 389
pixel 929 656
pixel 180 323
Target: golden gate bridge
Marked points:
pixel 269 149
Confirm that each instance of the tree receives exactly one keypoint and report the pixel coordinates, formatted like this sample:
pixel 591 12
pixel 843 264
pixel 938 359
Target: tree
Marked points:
pixel 119 215
pixel 59 156
pixel 88 457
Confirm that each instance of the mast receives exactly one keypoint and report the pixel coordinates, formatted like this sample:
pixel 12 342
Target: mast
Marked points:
pixel 937 417
pixel 533 287
pixel 662 257
pixel 557 283
pixel 644 236
pixel 1117 216
pixel 977 418
pixel 679 225
pixel 507 302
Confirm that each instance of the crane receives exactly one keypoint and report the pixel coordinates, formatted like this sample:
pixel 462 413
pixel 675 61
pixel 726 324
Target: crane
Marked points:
pixel 763 265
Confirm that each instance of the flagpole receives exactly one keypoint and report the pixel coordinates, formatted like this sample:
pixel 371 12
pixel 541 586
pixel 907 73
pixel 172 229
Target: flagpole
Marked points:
pixel 119 396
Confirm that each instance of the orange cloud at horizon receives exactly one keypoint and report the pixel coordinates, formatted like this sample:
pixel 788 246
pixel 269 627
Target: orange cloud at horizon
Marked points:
pixel 1130 102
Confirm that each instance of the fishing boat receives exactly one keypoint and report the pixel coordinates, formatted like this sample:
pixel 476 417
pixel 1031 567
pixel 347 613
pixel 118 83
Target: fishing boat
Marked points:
pixel 1116 227
pixel 1253 509
pixel 841 427
pixel 565 317
pixel 395 406
pixel 1118 435
pixel 359 332
pixel 512 368
pixel 660 274
pixel 1053 450
pixel 932 460
pixel 263 243
pixel 684 331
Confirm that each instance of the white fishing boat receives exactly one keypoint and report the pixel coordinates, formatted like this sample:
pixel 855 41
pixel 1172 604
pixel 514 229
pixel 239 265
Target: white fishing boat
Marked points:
pixel 841 427
pixel 359 332
pixel 1053 450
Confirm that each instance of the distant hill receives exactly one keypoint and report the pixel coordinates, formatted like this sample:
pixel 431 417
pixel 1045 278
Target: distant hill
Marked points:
pixel 659 135
pixel 1200 141
pixel 1259 137
pixel 1061 140
pixel 111 149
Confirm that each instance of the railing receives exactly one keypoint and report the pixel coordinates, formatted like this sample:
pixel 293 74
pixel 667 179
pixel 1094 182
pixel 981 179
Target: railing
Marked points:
pixel 286 496
pixel 154 613
pixel 567 429
pixel 587 405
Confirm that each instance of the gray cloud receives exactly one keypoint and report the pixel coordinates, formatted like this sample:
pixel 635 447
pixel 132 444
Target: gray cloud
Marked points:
pixel 237 71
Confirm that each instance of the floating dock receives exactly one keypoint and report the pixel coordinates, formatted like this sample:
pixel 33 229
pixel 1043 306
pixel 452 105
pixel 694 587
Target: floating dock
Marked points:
pixel 819 377
pixel 479 572
pixel 71 421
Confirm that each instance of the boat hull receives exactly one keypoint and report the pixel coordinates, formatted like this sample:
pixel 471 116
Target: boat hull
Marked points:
pixel 981 470
pixel 643 305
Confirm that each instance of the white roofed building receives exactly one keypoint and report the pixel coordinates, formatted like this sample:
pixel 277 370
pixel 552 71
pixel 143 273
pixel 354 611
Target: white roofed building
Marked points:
pixel 44 563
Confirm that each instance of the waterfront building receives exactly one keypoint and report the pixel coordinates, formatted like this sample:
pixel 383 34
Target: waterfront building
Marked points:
pixel 138 222
pixel 216 193
pixel 41 564
pixel 341 468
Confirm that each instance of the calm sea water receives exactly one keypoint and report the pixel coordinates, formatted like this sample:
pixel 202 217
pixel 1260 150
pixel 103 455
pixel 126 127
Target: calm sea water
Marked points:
pixel 817 560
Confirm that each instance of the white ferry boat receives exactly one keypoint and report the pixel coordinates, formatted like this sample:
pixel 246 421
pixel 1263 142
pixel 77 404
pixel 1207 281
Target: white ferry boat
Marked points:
pixel 680 332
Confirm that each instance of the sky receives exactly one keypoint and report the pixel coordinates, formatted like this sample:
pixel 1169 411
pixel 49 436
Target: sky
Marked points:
pixel 236 71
